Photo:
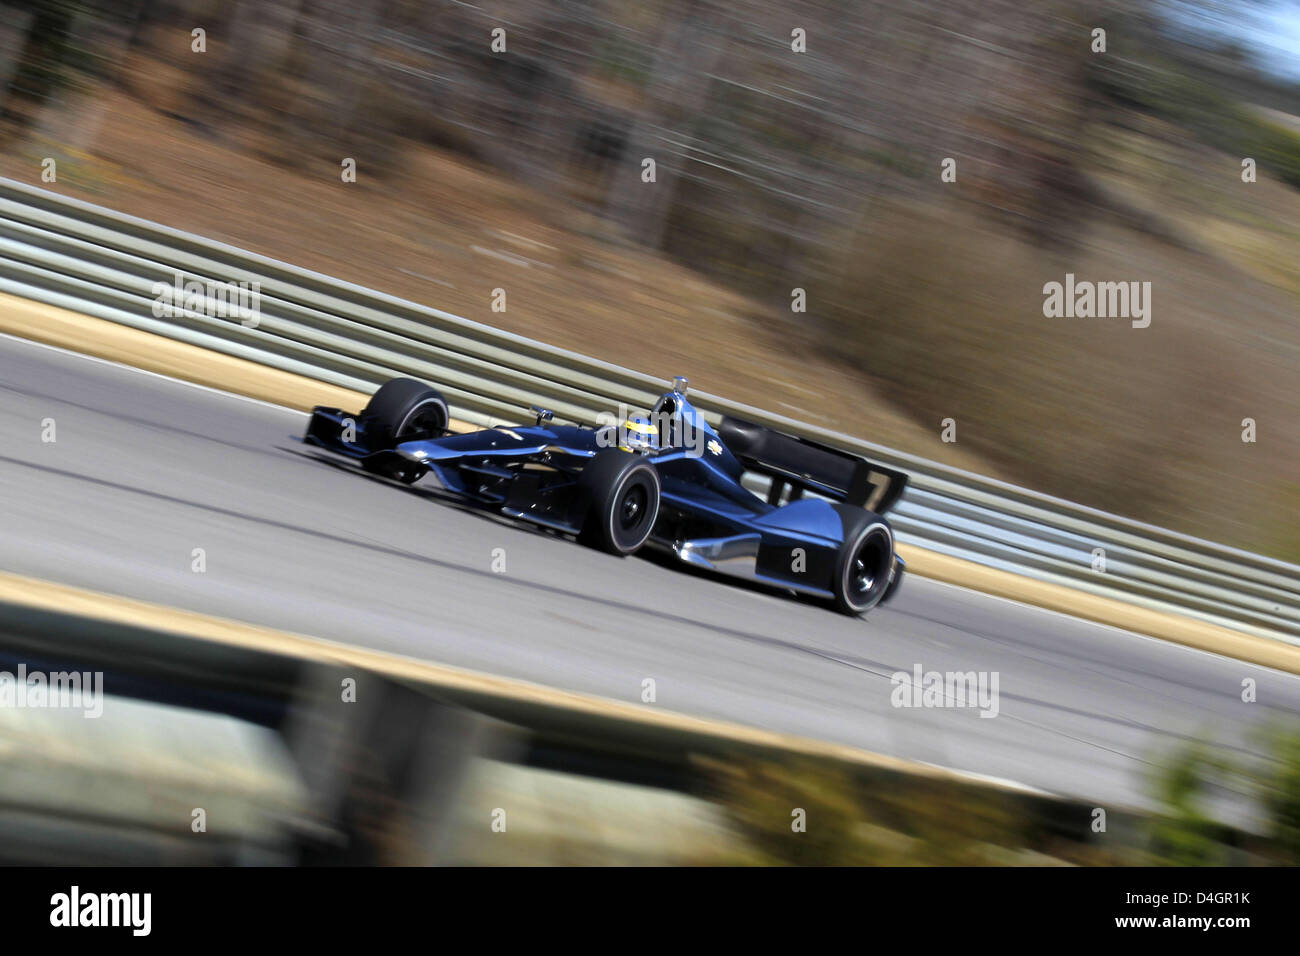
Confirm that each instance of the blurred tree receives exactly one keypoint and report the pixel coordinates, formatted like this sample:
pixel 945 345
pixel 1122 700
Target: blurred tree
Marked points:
pixel 47 56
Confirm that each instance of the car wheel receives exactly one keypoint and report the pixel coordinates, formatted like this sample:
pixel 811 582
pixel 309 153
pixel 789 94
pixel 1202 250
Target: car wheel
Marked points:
pixel 408 410
pixel 624 493
pixel 404 410
pixel 864 562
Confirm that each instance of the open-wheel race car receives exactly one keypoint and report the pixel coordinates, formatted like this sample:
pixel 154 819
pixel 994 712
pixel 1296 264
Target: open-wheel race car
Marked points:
pixel 815 525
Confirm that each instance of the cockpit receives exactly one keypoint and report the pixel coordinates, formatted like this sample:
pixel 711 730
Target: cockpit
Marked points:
pixel 675 419
pixel 673 424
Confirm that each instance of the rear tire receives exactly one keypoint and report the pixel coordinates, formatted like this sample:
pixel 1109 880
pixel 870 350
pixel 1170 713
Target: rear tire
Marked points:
pixel 624 493
pixel 864 562
pixel 403 410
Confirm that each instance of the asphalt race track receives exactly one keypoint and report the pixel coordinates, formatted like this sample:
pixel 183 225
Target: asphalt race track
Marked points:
pixel 145 469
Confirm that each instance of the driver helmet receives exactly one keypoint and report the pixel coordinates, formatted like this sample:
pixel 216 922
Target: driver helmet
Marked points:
pixel 638 435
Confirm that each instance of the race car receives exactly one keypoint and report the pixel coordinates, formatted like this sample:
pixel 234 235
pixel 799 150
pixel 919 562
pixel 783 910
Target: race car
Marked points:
pixel 668 480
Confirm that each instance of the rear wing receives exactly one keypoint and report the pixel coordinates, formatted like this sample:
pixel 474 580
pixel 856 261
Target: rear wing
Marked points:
pixel 808 466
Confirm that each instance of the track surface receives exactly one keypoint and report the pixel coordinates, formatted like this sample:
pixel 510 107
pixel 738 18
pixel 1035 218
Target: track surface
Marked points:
pixel 144 470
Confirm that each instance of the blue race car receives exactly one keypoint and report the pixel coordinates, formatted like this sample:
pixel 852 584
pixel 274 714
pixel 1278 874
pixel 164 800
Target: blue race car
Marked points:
pixel 668 480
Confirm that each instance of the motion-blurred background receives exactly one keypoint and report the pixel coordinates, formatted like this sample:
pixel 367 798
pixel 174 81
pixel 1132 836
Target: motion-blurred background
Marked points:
pixel 776 170
pixel 797 146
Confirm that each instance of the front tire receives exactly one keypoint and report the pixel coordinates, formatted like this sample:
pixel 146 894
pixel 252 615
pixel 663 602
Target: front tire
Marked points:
pixel 402 410
pixel 408 410
pixel 624 493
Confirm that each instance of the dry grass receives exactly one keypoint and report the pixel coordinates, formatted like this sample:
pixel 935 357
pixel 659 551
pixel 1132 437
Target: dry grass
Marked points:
pixel 947 308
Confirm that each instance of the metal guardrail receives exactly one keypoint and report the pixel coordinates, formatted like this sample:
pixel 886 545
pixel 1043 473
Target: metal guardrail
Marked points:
pixel 103 263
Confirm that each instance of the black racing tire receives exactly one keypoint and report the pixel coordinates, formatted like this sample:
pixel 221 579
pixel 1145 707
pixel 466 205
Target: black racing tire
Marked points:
pixel 862 568
pixel 623 489
pixel 407 409
pixel 403 410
